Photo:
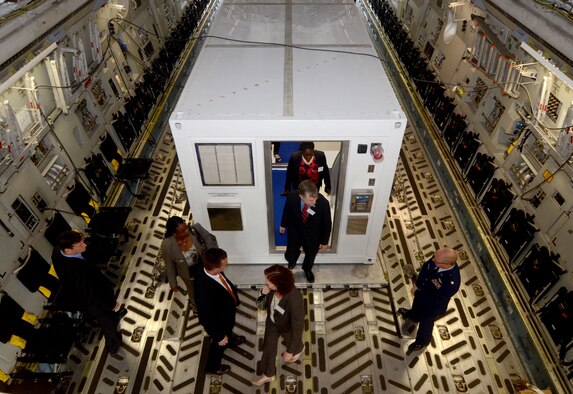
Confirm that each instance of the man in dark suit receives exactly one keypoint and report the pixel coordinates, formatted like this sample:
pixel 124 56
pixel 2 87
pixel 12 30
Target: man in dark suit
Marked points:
pixel 306 215
pixel 86 289
pixel 217 300
pixel 307 164
pixel 437 282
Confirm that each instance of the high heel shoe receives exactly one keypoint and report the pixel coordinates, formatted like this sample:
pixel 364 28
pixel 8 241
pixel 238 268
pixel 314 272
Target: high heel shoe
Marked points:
pixel 260 380
pixel 294 358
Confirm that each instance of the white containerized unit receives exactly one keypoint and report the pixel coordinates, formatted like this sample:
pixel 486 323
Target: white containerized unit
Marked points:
pixel 287 72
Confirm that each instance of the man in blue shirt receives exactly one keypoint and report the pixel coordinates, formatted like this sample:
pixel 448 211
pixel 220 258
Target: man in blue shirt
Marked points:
pixel 437 282
pixel 306 215
pixel 86 289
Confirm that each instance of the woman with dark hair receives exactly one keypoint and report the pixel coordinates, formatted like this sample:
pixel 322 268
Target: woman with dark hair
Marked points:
pixel 309 164
pixel 182 250
pixel 285 317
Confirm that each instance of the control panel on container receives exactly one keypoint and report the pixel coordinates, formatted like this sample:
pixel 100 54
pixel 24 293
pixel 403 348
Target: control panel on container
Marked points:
pixel 361 200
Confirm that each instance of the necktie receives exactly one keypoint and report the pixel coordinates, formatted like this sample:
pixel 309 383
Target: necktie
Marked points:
pixel 304 214
pixel 224 282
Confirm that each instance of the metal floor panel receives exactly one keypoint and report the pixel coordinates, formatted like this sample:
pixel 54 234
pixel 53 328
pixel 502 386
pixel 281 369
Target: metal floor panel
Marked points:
pixel 354 343
pixel 470 349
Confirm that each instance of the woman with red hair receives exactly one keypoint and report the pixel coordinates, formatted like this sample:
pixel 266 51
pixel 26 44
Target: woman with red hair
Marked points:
pixel 285 317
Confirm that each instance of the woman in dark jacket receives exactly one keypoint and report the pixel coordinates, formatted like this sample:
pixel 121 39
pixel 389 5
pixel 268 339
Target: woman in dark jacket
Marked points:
pixel 182 249
pixel 285 317
pixel 307 164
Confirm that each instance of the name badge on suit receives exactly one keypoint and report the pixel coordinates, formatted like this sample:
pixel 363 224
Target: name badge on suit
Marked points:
pixel 279 309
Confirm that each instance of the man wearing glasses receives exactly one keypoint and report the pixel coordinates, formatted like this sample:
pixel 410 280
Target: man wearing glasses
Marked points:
pixel 437 282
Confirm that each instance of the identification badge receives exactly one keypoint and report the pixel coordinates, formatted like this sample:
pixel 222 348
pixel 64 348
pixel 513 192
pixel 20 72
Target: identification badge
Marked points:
pixel 320 169
pixel 310 211
pixel 279 310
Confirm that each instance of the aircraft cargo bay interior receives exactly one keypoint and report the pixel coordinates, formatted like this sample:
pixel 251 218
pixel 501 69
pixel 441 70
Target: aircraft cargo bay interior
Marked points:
pixel 437 135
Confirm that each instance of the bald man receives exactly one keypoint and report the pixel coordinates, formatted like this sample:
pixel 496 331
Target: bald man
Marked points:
pixel 437 282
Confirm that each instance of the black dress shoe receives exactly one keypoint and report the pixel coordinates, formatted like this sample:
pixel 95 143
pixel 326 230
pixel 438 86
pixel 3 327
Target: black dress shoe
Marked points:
pixel 114 348
pixel 223 369
pixel 414 347
pixel 238 340
pixel 120 314
pixel 114 351
pixel 291 265
pixel 403 312
pixel 309 275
